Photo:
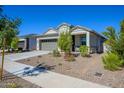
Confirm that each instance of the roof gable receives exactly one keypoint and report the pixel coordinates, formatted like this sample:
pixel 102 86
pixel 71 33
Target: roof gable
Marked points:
pixel 63 24
pixel 50 31
pixel 81 27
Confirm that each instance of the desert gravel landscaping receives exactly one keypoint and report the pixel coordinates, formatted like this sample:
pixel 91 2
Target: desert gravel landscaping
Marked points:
pixel 86 68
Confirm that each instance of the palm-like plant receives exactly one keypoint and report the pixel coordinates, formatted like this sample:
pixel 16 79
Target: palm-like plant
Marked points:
pixel 8 30
pixel 116 44
pixel 119 47
pixel 111 35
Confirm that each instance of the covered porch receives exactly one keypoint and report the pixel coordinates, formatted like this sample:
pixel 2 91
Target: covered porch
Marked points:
pixel 80 38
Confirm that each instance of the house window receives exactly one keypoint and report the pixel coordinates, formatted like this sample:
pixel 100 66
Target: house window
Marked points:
pixel 83 39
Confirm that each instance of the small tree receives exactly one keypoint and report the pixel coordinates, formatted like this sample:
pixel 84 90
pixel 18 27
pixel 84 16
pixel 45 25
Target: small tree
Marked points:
pixel 111 36
pixel 14 43
pixel 8 30
pixel 65 42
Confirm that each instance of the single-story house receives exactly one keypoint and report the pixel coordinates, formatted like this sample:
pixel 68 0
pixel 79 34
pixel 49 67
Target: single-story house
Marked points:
pixel 80 36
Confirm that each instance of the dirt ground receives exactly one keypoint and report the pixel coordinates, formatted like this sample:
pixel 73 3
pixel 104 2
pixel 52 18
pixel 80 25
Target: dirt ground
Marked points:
pixel 10 79
pixel 90 69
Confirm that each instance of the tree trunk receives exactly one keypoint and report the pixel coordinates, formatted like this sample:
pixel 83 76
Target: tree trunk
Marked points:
pixel 3 53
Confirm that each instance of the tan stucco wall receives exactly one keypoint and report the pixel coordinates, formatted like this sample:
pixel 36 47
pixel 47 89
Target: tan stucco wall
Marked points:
pixel 93 39
pixel 95 43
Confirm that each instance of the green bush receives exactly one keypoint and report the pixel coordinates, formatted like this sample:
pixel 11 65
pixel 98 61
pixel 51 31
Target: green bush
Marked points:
pixel 56 53
pixel 84 51
pixel 112 62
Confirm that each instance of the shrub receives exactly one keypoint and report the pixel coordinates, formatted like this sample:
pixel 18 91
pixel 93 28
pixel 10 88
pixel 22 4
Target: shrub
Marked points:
pixel 56 53
pixel 12 85
pixel 84 51
pixel 112 62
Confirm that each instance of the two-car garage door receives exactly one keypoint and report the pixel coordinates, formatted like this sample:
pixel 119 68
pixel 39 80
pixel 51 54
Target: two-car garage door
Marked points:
pixel 48 45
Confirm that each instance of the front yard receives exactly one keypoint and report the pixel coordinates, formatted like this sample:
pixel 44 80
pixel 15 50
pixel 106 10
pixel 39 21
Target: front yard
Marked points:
pixel 86 68
pixel 12 81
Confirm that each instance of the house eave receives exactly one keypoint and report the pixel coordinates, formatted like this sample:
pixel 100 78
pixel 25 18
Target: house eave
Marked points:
pixel 89 30
pixel 47 38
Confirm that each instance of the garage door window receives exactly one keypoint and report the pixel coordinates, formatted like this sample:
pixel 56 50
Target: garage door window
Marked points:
pixel 49 40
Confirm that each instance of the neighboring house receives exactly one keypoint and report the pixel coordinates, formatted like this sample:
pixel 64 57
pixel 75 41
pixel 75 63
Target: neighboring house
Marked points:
pixel 27 42
pixel 80 36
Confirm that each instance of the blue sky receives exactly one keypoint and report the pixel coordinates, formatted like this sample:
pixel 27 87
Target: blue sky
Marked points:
pixel 37 19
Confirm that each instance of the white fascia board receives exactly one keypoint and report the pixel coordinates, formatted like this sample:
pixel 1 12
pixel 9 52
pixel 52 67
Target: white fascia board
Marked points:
pixel 22 39
pixel 43 38
pixel 77 33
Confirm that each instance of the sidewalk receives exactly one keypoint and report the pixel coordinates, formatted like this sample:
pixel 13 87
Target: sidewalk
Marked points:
pixel 46 78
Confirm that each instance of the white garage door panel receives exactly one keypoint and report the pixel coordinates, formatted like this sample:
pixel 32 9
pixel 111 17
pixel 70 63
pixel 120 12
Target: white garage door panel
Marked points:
pixel 48 45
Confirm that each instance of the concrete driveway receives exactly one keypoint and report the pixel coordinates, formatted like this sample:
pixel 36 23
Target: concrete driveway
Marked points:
pixel 19 56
